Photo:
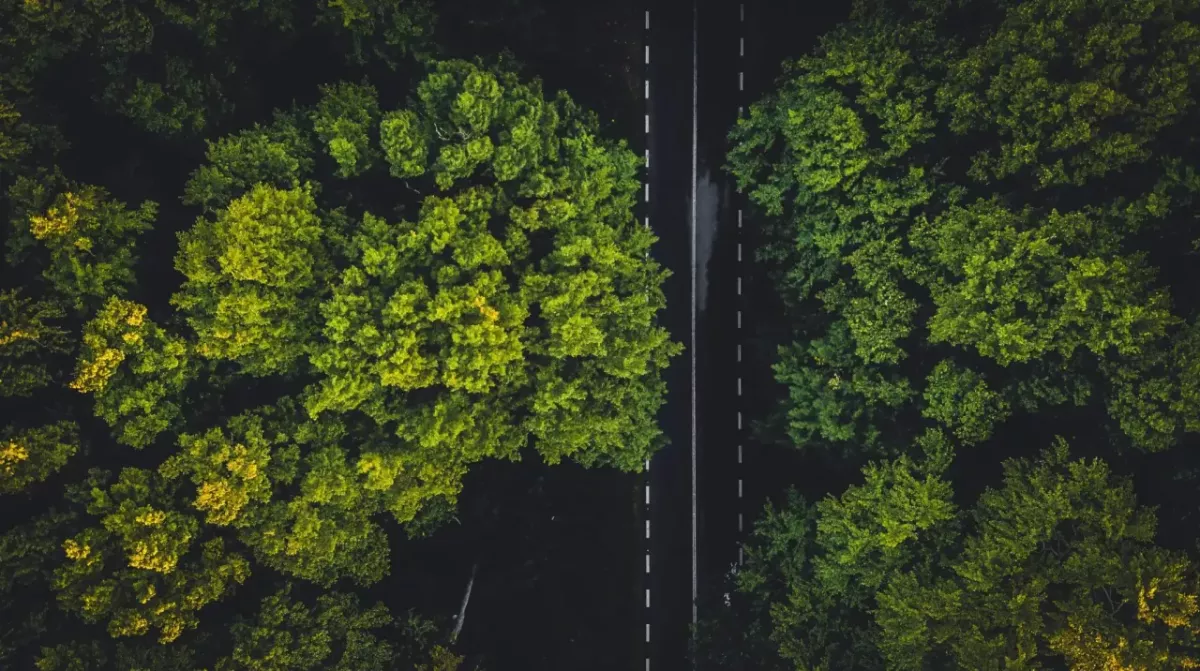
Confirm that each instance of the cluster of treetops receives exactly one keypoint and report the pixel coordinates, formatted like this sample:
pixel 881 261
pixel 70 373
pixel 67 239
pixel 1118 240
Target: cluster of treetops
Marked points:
pixel 980 216
pixel 374 289
pixel 984 219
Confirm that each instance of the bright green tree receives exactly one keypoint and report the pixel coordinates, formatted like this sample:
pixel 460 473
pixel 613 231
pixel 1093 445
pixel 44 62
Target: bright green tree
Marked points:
pixel 500 297
pixel 376 296
pixel 421 316
pixel 135 370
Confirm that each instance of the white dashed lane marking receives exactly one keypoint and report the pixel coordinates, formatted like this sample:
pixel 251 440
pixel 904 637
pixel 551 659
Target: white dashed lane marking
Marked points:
pixel 646 86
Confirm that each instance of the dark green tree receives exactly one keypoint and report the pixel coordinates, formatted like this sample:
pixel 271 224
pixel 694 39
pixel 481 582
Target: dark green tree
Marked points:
pixel 175 68
pixel 1057 568
pixel 970 209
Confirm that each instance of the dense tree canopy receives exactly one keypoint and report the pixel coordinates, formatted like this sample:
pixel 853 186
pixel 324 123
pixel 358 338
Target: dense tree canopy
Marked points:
pixel 1057 568
pixel 173 67
pixel 970 224
pixel 979 214
pixel 378 291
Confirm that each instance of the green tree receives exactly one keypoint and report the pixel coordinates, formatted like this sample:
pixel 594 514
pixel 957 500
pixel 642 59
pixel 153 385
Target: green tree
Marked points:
pixel 249 274
pixel 32 455
pixel 140 564
pixel 134 370
pixel 83 241
pixel 376 296
pixel 31 334
pixel 426 323
pixel 176 68
pixel 288 635
pixel 496 299
pixel 290 490
pixel 1060 563
pixel 986 214
pixel 1057 568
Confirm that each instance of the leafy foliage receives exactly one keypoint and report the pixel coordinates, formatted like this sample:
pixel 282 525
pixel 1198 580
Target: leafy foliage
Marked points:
pixel 30 335
pixel 247 275
pixel 1008 196
pixel 32 455
pixel 275 155
pixel 173 68
pixel 1057 567
pixel 342 347
pixel 441 307
pixel 287 635
pixel 141 565
pixel 343 121
pixel 88 241
pixel 375 344
pixel 135 370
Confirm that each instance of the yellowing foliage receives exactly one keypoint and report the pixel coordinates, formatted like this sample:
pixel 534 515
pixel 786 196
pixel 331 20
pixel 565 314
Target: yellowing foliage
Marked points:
pixel 58 221
pixel 12 454
pixel 93 374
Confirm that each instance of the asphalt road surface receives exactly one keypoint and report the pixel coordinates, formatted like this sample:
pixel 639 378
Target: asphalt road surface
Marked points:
pixel 706 62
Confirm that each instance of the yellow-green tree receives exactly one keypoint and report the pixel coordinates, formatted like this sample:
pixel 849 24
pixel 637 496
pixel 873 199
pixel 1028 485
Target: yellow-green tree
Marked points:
pixel 500 296
pixel 416 289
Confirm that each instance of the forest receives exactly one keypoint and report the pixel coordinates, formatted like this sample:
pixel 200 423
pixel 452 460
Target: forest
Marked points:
pixel 294 294
pixel 982 220
pixel 276 276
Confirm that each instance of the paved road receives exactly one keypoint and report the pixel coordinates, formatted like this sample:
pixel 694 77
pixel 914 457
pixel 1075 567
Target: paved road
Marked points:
pixel 669 74
pixel 707 60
